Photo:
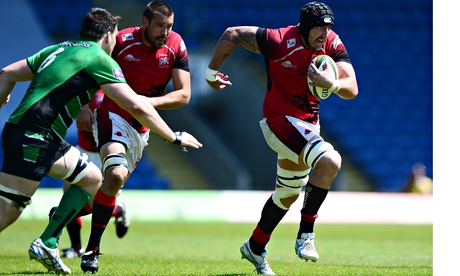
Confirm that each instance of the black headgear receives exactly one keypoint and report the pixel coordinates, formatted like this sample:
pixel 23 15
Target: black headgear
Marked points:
pixel 312 15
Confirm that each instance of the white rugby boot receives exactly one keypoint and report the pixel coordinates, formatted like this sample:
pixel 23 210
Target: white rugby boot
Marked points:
pixel 305 247
pixel 259 261
pixel 48 257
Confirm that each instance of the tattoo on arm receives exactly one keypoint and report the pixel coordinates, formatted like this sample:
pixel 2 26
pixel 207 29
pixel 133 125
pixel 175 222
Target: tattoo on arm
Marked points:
pixel 244 36
pixel 248 41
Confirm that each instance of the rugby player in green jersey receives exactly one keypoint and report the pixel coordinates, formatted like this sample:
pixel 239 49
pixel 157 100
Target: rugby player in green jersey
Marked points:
pixel 63 78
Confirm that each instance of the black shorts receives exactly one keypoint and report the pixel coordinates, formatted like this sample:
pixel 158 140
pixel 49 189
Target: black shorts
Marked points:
pixel 29 154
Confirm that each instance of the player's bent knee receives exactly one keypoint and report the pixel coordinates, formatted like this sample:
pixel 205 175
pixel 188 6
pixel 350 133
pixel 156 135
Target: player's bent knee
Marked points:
pixel 93 175
pixel 115 169
pixel 315 150
pixel 78 169
pixel 332 160
pixel 336 159
pixel 15 198
pixel 115 177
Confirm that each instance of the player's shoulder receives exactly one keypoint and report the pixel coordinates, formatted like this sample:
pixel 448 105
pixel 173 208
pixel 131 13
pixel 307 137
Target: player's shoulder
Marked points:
pixel 35 60
pixel 288 31
pixel 334 39
pixel 175 44
pixel 175 40
pixel 285 37
pixel 68 49
pixel 175 36
pixel 280 42
pixel 100 60
pixel 335 48
pixel 131 34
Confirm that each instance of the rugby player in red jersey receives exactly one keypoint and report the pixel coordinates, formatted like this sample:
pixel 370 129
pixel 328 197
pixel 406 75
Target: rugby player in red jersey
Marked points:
pixel 291 119
pixel 150 56
pixel 87 145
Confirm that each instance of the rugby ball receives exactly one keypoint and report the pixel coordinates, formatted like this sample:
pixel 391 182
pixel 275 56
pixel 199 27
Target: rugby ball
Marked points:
pixel 324 63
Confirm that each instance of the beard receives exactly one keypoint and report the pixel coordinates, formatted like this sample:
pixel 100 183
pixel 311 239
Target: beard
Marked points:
pixel 157 41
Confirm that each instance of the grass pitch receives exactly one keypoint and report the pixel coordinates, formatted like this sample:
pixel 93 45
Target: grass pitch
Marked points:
pixel 192 248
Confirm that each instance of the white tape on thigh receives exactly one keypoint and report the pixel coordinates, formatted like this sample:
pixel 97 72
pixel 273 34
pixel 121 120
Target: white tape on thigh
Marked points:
pixel 290 184
pixel 291 179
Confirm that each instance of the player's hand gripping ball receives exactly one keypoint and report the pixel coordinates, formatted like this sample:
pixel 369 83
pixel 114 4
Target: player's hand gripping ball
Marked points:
pixel 324 63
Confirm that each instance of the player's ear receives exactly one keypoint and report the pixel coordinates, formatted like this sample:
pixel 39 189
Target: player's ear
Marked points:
pixel 145 22
pixel 108 37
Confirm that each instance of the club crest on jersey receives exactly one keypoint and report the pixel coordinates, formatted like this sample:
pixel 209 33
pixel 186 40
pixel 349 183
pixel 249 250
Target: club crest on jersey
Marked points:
pixel 117 73
pixel 125 37
pixel 291 42
pixel 163 61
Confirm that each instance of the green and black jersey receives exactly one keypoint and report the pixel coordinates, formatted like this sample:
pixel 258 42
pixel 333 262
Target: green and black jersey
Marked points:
pixel 67 75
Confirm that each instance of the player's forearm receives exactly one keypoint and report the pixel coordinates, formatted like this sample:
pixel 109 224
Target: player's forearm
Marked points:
pixel 222 51
pixel 10 75
pixel 348 89
pixel 150 118
pixel 157 125
pixel 172 100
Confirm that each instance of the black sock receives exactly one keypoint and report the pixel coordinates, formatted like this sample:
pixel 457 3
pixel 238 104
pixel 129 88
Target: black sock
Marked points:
pixel 314 198
pixel 270 218
pixel 103 206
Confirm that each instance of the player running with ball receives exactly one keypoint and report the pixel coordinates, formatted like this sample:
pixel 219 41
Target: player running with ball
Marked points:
pixel 291 119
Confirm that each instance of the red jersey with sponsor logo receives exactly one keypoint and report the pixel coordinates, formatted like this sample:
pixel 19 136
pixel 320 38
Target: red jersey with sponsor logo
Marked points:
pixel 85 138
pixel 147 70
pixel 287 63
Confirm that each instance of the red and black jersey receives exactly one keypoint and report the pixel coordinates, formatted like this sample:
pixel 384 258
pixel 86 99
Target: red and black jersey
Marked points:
pixel 287 63
pixel 147 70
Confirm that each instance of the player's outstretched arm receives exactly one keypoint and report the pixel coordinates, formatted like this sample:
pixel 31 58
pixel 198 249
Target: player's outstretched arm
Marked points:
pixel 230 38
pixel 10 75
pixel 141 109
